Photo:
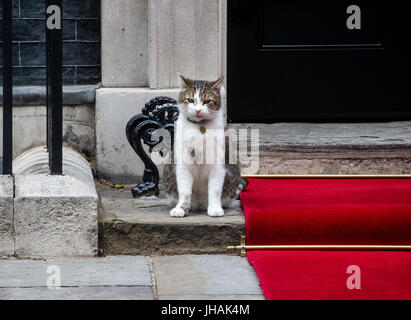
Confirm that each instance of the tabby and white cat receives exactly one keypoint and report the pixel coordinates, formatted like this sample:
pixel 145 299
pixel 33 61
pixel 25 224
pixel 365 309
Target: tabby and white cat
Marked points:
pixel 192 181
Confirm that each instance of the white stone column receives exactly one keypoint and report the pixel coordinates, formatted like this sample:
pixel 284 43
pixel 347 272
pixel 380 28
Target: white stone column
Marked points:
pixel 124 45
pixel 146 42
pixel 185 36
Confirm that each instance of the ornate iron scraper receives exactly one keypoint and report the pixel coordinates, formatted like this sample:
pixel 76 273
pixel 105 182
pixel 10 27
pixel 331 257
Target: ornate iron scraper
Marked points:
pixel 158 113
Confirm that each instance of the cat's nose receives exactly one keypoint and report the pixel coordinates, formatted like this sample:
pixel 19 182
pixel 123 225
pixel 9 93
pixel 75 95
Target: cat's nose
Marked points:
pixel 198 112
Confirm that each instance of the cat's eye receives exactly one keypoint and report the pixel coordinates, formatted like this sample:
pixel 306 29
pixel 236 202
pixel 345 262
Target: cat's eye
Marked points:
pixel 208 101
pixel 188 100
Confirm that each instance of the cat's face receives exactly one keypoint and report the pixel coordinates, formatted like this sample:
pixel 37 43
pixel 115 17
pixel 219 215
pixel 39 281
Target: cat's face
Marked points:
pixel 200 100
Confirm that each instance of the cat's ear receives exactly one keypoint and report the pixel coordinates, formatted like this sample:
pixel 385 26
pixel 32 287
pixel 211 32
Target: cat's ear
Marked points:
pixel 218 84
pixel 185 81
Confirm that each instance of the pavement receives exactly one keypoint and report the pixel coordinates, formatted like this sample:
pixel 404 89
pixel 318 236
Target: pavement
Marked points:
pixel 182 277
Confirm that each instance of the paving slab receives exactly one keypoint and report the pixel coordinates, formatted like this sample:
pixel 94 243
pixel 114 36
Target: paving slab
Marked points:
pixel 205 277
pixel 82 293
pixel 144 227
pixel 187 277
pixel 93 272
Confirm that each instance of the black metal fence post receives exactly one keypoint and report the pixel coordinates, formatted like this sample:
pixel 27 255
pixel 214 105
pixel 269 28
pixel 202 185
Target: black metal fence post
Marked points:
pixel 7 88
pixel 54 56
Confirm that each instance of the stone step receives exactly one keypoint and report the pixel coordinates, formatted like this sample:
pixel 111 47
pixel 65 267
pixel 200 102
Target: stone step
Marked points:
pixel 129 226
pixel 333 148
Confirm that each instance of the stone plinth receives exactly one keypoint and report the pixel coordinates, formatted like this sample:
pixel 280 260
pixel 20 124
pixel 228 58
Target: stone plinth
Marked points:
pixel 54 216
pixel 6 216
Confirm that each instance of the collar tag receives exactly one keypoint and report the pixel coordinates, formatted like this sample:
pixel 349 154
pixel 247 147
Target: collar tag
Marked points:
pixel 203 129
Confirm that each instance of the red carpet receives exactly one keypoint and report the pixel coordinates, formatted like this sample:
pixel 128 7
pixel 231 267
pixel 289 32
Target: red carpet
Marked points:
pixel 329 211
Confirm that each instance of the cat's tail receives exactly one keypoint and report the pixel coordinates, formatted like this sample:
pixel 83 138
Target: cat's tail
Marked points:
pixel 241 186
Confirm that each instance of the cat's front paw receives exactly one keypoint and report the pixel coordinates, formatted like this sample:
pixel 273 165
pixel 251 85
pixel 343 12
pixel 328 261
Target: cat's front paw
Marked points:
pixel 215 212
pixel 177 213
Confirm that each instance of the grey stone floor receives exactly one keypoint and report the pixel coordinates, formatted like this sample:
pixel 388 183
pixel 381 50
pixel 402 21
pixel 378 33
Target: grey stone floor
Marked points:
pixel 184 277
pixel 125 221
pixel 332 136
pixel 332 148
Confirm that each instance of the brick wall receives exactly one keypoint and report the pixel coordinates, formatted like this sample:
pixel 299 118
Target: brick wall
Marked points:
pixel 81 47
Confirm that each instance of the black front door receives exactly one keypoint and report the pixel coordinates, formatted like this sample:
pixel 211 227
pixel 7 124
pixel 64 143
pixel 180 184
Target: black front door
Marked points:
pixel 337 60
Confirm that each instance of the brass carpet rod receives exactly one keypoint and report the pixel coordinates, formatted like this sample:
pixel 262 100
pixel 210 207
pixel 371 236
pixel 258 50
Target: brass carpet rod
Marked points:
pixel 242 248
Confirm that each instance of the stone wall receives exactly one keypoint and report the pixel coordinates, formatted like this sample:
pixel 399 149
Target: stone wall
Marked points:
pixel 29 118
pixel 29 128
pixel 81 47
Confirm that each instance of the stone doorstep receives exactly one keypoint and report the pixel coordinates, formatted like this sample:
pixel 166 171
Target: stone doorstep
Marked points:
pixel 130 226
pixel 333 148
pixel 349 162
pixel 332 136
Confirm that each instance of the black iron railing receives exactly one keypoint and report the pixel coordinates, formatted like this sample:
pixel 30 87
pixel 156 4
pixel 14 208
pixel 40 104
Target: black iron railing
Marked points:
pixel 54 54
pixel 54 57
pixel 7 88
